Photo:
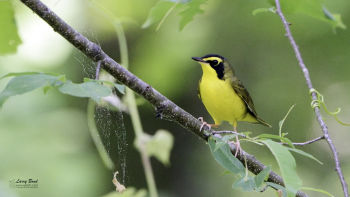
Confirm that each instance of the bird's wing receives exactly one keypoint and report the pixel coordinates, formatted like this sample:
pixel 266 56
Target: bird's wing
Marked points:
pixel 240 89
pixel 243 93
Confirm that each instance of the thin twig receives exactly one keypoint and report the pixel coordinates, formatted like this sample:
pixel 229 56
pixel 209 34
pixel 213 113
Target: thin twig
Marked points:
pixel 314 97
pixel 163 105
pixel 309 142
pixel 229 132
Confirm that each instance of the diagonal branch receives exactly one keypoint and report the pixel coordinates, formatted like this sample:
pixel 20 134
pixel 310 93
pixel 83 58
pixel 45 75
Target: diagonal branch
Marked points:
pixel 165 108
pixel 314 97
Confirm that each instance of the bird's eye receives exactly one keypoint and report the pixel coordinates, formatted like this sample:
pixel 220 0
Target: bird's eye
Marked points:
pixel 215 62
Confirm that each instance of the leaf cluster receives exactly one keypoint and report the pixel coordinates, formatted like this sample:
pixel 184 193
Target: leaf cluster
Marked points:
pixel 29 81
pixel 221 151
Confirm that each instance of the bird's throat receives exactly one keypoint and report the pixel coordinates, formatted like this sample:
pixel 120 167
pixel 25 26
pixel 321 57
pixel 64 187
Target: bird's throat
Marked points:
pixel 209 72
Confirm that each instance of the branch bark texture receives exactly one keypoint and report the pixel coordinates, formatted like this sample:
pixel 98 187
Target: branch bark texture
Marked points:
pixel 314 97
pixel 166 109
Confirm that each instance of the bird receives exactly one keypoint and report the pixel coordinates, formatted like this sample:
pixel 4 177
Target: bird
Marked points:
pixel 223 94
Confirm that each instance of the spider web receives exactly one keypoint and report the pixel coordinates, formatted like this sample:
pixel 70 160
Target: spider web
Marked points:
pixel 110 125
pixel 112 130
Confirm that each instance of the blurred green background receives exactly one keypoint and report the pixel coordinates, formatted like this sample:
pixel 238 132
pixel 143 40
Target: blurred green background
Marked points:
pixel 46 137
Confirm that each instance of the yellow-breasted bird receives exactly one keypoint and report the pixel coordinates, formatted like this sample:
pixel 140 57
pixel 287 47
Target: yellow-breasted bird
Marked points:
pixel 223 94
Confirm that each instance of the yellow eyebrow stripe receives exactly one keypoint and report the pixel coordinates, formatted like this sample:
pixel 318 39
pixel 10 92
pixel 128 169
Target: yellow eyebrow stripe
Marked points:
pixel 212 58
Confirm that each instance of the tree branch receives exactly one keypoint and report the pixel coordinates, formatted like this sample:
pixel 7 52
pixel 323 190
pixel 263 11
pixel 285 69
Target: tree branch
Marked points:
pixel 314 97
pixel 164 107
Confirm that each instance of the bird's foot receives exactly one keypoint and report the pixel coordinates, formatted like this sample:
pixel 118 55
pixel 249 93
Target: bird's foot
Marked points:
pixel 203 124
pixel 206 124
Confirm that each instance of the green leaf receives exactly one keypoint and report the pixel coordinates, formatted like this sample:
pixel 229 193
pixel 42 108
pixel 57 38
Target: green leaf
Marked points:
pixel 262 10
pixel 28 81
pixel 252 183
pixel 287 141
pixel 305 154
pixel 279 187
pixel 317 190
pixel 159 145
pixel 334 19
pixel 219 145
pixel 25 83
pixel 93 90
pixel 225 158
pixel 287 165
pixel 119 87
pixel 164 7
pixel 9 38
pixel 157 12
pixel 47 88
pixel 313 8
pixel 271 136
pixel 100 81
pixel 192 8
pixel 262 176
pixel 19 74
pixel 246 184
pixel 129 192
pixel 228 137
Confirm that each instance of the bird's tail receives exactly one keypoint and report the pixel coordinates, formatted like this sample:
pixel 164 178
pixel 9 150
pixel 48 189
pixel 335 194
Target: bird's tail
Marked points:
pixel 261 121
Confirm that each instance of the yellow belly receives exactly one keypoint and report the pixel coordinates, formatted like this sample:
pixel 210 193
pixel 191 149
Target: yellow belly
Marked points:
pixel 221 101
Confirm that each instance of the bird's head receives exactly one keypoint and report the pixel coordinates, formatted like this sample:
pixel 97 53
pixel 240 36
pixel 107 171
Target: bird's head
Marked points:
pixel 212 64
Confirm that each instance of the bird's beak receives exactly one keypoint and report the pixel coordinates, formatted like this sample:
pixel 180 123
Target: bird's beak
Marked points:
pixel 198 59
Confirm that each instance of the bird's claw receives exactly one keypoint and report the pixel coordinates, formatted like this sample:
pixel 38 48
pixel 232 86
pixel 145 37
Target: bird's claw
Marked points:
pixel 203 124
